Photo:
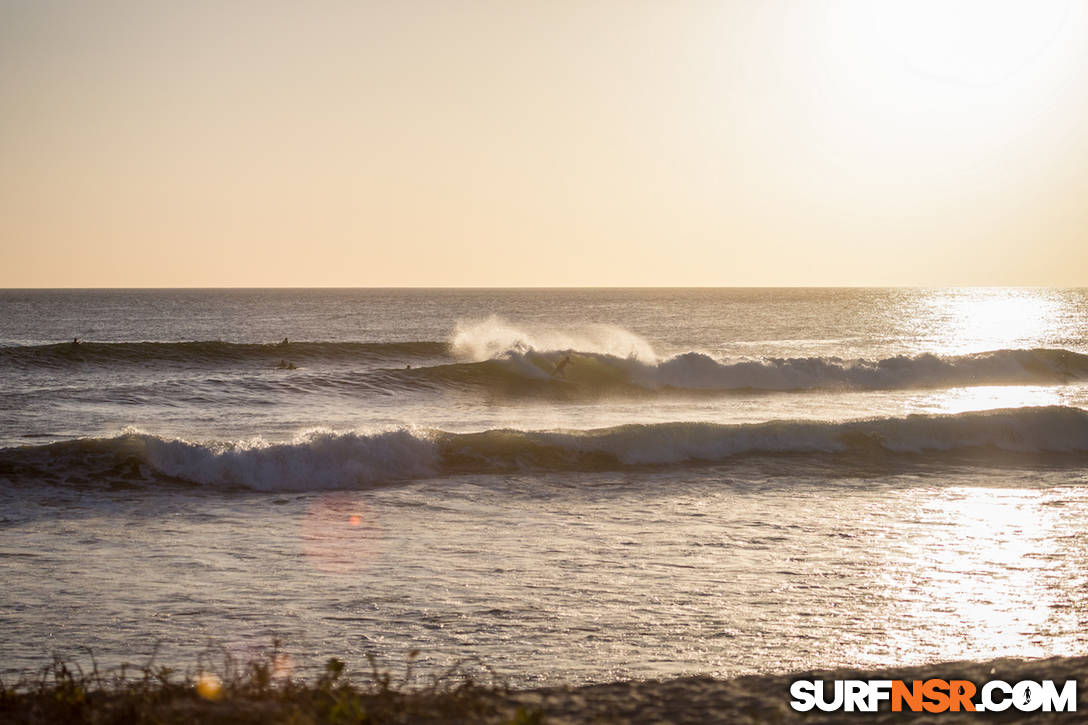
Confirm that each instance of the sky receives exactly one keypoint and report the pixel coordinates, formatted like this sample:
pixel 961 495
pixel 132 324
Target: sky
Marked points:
pixel 543 142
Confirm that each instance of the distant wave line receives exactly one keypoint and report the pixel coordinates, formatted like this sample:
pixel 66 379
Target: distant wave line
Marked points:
pixel 213 351
pixel 529 372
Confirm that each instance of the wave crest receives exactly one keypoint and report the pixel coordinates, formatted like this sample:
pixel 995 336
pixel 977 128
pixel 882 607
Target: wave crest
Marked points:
pixel 495 338
pixel 327 460
pixel 588 374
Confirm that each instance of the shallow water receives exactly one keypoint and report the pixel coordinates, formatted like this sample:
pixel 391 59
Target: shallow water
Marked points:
pixel 921 496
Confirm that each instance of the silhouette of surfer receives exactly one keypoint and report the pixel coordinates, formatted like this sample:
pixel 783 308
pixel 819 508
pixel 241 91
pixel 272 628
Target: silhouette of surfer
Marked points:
pixel 284 365
pixel 561 366
pixel 75 342
pixel 284 343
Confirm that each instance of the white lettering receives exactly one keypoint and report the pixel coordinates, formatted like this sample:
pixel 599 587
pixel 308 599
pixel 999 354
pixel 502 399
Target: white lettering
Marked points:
pixel 856 695
pixel 804 698
pixel 878 690
pixel 988 701
pixel 835 703
pixel 1065 701
pixel 1027 696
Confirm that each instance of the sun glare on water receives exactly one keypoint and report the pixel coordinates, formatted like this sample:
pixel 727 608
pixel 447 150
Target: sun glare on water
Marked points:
pixel 977 320
pixel 989 573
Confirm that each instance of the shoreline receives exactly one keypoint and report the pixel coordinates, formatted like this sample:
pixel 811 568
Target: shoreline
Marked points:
pixel 253 696
pixel 766 698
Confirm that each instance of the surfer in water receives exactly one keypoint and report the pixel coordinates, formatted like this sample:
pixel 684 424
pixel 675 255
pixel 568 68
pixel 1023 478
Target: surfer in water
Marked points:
pixel 561 366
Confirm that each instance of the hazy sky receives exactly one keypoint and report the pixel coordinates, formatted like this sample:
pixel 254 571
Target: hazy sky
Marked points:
pixel 178 143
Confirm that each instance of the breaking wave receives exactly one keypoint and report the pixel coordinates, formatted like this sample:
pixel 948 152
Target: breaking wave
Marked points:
pixel 320 460
pixel 592 373
pixel 525 360
pixel 604 358
pixel 496 338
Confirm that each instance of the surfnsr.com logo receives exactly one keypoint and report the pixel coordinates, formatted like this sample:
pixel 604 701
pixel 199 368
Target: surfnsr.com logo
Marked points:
pixel 933 695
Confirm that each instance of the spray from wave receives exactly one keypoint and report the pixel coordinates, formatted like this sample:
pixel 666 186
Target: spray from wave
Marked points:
pixel 516 361
pixel 319 460
pixel 609 360
pixel 531 372
pixel 495 338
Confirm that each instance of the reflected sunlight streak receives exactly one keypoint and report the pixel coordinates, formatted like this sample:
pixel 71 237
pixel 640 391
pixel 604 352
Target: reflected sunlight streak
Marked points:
pixel 977 320
pixel 986 577
pixel 989 397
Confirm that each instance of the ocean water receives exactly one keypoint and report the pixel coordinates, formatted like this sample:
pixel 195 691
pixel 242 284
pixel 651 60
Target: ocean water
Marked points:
pixel 716 481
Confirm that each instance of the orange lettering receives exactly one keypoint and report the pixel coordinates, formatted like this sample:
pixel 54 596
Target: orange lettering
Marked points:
pixel 961 692
pixel 913 695
pixel 936 691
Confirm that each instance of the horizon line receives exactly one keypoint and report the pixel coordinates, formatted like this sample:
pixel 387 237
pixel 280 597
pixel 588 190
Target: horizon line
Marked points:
pixel 663 285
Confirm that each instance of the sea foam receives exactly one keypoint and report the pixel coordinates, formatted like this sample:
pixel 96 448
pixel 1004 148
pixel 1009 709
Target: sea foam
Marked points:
pixel 318 460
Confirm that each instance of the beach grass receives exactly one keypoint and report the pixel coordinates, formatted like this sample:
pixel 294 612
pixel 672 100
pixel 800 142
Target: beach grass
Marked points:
pixel 261 690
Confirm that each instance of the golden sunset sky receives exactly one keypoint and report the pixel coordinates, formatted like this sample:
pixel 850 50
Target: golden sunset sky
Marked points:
pixel 538 142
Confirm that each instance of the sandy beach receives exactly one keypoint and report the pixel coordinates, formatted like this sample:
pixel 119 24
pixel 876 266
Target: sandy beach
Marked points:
pixel 765 699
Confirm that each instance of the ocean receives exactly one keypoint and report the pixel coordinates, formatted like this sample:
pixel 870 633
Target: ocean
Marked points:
pixel 562 485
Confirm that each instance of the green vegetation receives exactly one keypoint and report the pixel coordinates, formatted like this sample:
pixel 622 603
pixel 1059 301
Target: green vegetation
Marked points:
pixel 264 691
pixel 259 691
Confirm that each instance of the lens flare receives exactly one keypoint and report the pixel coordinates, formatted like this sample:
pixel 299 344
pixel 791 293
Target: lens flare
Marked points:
pixel 209 686
pixel 339 533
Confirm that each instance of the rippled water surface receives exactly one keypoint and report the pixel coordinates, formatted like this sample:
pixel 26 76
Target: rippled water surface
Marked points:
pixel 716 481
